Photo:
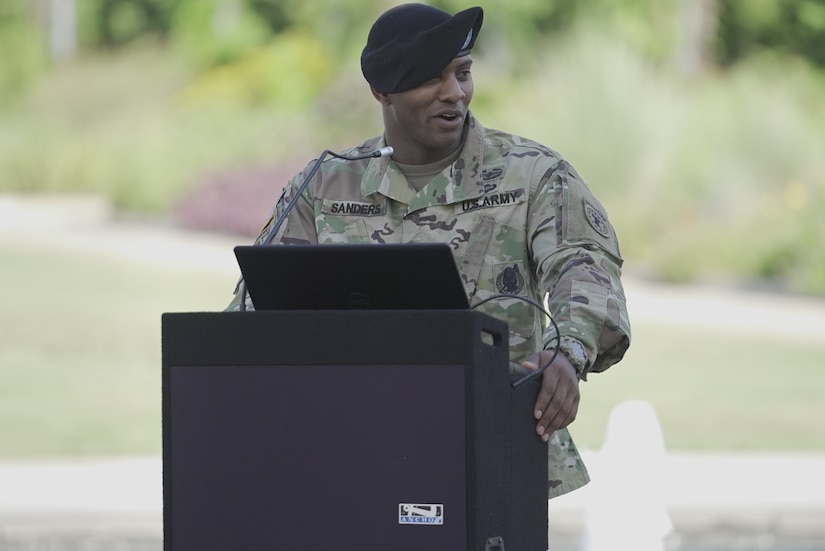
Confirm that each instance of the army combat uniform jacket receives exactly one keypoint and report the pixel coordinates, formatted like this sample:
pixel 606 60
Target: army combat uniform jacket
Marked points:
pixel 519 220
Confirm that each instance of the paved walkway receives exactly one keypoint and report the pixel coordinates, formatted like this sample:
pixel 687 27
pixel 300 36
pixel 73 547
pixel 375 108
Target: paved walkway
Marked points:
pixel 99 502
pixel 115 503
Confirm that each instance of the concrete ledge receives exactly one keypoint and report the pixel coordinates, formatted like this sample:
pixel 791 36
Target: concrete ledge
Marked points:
pixel 780 496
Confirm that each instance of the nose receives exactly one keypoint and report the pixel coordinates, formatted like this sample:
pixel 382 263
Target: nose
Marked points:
pixel 452 90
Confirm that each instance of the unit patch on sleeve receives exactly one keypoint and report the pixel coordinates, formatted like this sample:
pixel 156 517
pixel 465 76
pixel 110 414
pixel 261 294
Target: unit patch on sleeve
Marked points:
pixel 597 219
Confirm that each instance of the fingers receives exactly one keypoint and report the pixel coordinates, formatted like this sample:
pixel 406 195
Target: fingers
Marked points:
pixel 558 400
pixel 532 363
pixel 560 411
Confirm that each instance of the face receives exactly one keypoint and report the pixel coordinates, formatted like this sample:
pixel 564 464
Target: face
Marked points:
pixel 425 124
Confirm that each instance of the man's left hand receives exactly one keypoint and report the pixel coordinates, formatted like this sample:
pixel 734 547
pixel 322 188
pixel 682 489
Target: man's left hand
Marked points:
pixel 558 400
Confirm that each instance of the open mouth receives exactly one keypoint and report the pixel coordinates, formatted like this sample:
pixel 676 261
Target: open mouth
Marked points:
pixel 449 116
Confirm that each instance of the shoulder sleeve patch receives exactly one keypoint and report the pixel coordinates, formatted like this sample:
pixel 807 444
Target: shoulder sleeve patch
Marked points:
pixel 597 219
pixel 583 219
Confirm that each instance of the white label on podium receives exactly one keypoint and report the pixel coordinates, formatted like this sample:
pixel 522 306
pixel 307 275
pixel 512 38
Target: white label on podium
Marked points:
pixel 428 514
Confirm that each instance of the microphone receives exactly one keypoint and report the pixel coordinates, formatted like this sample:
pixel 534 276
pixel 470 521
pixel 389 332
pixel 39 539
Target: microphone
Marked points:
pixel 386 151
pixel 382 152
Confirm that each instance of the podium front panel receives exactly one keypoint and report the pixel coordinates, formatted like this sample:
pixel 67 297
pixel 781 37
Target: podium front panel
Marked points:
pixel 327 453
pixel 344 431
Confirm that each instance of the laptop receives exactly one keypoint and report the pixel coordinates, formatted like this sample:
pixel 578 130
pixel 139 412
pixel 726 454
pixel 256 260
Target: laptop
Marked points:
pixel 398 276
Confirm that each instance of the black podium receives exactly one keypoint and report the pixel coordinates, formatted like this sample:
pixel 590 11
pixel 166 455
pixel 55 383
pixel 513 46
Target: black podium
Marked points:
pixel 347 431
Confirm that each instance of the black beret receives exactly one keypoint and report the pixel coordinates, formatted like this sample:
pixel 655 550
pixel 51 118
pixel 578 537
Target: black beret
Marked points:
pixel 412 43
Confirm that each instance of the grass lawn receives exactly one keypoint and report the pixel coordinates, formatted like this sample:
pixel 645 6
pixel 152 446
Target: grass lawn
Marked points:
pixel 715 391
pixel 80 350
pixel 80 367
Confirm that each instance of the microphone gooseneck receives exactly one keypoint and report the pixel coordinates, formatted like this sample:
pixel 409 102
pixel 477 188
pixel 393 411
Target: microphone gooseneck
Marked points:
pixel 382 152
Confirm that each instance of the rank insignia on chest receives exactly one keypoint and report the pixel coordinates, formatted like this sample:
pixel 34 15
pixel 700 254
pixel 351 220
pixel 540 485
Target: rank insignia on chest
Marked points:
pixel 492 174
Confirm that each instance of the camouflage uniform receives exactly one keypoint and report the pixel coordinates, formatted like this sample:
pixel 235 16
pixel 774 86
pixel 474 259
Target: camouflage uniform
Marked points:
pixel 520 221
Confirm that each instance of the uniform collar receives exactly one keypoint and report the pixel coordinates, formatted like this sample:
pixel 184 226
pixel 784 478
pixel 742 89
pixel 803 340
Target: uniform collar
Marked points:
pixel 382 176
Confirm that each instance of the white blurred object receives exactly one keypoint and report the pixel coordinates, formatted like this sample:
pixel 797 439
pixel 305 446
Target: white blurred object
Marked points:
pixel 62 29
pixel 626 505
pixel 50 214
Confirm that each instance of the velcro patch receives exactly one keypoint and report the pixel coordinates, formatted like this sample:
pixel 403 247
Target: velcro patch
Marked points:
pixel 597 219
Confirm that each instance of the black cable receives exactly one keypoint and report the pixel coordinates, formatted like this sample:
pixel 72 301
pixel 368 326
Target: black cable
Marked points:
pixel 530 376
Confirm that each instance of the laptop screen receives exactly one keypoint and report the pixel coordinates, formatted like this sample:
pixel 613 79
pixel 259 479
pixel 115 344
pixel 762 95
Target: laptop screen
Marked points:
pixel 398 276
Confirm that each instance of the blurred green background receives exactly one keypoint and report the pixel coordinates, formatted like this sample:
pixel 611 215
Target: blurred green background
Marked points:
pixel 700 124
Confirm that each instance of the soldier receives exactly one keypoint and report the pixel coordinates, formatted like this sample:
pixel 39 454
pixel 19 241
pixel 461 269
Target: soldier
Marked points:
pixel 519 219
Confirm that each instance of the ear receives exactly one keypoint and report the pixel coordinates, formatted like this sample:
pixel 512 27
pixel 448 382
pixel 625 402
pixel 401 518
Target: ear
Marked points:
pixel 383 99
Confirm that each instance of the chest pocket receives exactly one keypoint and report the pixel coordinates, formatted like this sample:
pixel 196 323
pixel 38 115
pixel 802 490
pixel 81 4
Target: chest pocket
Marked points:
pixel 497 248
pixel 496 262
